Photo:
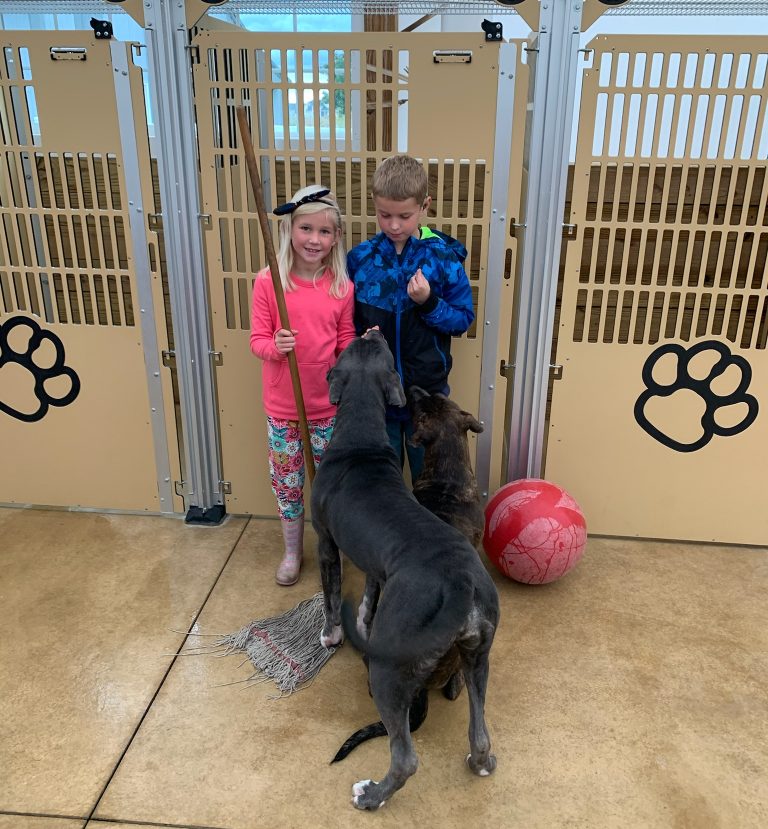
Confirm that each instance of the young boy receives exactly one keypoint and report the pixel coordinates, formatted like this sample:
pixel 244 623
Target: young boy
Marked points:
pixel 409 281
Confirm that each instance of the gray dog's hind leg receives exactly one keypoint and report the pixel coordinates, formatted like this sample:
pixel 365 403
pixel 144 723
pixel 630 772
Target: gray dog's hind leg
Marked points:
pixel 330 575
pixel 475 663
pixel 393 698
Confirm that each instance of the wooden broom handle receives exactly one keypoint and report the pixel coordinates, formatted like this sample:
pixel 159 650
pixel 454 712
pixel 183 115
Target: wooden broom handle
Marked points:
pixel 282 310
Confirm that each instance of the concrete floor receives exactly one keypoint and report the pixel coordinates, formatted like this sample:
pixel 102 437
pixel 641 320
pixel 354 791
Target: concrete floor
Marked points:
pixel 631 693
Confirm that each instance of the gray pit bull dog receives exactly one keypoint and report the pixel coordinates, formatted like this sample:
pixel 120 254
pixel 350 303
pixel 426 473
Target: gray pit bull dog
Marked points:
pixel 447 488
pixel 435 591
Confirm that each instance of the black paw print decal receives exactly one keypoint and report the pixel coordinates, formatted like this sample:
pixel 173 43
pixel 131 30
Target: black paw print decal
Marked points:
pixel 708 380
pixel 37 356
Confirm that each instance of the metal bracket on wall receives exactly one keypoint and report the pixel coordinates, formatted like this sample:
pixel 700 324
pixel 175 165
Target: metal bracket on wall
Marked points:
pixel 102 29
pixel 218 358
pixel 506 369
pixel 225 487
pixel 493 30
pixel 569 231
pixel 557 371
pixel 155 222
pixel 169 359
pixel 178 487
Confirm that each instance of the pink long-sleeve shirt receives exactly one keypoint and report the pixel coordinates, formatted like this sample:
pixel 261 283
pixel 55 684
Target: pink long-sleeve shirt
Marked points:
pixel 325 326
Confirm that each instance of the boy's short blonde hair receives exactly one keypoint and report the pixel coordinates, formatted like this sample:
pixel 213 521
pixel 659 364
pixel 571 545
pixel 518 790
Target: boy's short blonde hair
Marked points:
pixel 399 178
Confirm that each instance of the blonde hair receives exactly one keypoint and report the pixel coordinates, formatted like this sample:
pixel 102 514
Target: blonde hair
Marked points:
pixel 399 178
pixel 336 261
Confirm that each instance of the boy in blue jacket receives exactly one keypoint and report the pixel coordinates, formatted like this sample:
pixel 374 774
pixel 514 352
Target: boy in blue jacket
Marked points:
pixel 410 282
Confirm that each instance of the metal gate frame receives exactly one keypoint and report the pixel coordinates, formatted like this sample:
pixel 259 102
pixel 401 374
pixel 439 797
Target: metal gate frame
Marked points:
pixel 76 273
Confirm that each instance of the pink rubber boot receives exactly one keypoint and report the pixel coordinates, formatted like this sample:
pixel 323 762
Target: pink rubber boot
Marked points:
pixel 293 536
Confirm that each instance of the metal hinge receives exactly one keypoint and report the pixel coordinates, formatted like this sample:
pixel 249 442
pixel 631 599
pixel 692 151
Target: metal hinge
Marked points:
pixel 569 231
pixel 506 369
pixel 169 359
pixel 557 371
pixel 178 488
pixel 194 53
pixel 218 358
pixel 225 487
pixel 155 221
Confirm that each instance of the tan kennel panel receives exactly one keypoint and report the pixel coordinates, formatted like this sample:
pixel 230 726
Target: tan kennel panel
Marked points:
pixel 329 109
pixel 74 407
pixel 658 426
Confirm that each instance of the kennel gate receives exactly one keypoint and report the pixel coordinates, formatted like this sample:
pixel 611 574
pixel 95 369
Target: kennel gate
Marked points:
pixel 87 410
pixel 665 284
pixel 328 109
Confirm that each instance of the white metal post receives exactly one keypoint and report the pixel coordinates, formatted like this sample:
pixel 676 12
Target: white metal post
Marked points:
pixel 497 240
pixel 137 226
pixel 173 109
pixel 553 60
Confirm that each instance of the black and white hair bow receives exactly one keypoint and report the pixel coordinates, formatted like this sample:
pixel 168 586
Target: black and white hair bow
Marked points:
pixel 290 206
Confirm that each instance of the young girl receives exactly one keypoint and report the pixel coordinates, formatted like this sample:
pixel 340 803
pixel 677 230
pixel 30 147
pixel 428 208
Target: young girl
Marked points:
pixel 319 299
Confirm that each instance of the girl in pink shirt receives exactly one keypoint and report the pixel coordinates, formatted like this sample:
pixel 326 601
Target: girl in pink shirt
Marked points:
pixel 319 298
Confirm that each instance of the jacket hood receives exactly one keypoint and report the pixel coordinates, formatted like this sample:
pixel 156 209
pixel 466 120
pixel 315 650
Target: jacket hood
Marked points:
pixel 431 236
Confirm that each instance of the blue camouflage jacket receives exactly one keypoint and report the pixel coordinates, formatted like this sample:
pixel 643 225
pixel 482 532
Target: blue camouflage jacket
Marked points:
pixel 418 335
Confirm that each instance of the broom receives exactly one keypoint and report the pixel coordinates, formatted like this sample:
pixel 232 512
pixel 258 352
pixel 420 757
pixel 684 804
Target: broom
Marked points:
pixel 284 648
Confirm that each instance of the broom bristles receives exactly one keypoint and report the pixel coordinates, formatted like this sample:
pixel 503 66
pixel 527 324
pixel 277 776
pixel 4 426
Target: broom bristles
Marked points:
pixel 284 648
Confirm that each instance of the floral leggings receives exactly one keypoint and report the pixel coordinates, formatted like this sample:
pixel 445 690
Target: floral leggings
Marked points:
pixel 286 460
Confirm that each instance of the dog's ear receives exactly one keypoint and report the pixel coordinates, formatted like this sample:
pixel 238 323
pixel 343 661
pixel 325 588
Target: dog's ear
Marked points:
pixel 423 433
pixel 393 389
pixel 336 382
pixel 416 394
pixel 469 423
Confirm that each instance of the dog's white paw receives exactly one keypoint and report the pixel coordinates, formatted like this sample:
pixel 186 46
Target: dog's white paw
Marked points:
pixel 360 787
pixel 361 626
pixel 359 790
pixel 482 771
pixel 332 639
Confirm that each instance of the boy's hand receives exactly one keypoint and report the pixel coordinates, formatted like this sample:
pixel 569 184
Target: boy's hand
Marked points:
pixel 418 288
pixel 285 340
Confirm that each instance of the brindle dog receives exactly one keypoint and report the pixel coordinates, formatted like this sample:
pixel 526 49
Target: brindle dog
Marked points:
pixel 447 487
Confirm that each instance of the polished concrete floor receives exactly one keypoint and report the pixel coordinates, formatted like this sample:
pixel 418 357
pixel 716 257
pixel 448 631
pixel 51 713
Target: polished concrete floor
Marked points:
pixel 631 693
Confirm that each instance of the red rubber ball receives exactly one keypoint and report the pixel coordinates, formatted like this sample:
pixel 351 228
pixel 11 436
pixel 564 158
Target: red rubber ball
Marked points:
pixel 534 531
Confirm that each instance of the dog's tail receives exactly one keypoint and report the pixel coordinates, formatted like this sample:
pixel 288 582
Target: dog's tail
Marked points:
pixel 431 620
pixel 416 716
